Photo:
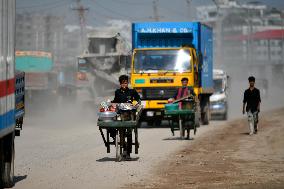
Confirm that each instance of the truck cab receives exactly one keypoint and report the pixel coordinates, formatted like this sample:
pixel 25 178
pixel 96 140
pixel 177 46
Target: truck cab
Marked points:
pixel 219 99
pixel 157 73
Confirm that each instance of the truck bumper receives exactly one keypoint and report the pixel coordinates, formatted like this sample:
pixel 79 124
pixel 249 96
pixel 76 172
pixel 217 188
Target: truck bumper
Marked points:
pixel 154 104
pixel 153 108
pixel 153 113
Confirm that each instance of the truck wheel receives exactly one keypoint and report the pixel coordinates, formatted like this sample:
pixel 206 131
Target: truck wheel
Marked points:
pixel 1 163
pixel 150 123
pixel 158 122
pixel 205 116
pixel 139 124
pixel 7 161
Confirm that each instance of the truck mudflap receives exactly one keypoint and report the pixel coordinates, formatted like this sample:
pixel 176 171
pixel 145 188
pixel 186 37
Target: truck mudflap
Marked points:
pixel 19 101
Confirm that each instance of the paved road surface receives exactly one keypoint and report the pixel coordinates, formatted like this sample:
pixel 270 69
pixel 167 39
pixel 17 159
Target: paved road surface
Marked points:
pixel 59 149
pixel 62 148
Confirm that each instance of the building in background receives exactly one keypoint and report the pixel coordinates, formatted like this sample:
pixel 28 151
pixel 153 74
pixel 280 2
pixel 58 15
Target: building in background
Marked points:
pixel 43 32
pixel 37 32
pixel 249 35
pixel 108 56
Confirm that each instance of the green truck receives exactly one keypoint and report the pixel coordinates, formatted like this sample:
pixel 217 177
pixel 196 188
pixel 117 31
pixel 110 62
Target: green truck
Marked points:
pixel 41 81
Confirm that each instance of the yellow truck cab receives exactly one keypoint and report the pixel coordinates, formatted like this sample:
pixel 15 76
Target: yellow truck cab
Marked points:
pixel 163 54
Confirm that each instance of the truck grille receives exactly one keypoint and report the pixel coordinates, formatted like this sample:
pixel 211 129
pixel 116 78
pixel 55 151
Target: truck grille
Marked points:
pixel 158 93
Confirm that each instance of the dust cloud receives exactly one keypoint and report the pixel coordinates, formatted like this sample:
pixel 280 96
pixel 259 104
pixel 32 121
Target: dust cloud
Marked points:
pixel 243 47
pixel 239 64
pixel 271 95
pixel 269 80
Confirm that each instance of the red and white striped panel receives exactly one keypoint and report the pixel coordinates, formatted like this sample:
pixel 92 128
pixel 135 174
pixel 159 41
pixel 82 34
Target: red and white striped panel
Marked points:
pixel 7 95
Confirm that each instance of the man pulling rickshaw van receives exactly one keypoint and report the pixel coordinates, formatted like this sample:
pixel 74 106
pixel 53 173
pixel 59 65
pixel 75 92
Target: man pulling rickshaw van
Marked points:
pixel 125 95
pixel 120 118
pixel 184 90
pixel 187 99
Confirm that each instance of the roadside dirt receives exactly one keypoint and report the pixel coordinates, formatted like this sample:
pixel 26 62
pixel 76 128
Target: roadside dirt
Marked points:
pixel 226 157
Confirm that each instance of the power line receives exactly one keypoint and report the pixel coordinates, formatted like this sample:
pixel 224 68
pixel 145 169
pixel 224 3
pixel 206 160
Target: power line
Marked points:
pixel 100 15
pixel 112 11
pixel 44 9
pixel 125 2
pixel 93 17
pixel 52 4
pixel 172 10
pixel 155 6
pixel 103 15
pixel 115 12
pixel 106 16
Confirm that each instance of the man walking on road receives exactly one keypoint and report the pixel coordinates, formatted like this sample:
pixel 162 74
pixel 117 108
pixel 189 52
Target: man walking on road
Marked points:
pixel 251 104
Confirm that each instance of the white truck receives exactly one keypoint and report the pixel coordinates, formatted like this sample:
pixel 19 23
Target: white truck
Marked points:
pixel 219 99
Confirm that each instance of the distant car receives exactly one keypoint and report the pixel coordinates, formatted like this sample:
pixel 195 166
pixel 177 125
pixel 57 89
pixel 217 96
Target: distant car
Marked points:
pixel 218 101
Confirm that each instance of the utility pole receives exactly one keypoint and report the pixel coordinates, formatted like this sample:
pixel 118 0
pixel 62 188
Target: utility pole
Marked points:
pixel 250 40
pixel 282 35
pixel 218 33
pixel 82 19
pixel 188 2
pixel 155 10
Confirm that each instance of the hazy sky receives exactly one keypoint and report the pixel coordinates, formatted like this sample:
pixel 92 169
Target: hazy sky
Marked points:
pixel 133 10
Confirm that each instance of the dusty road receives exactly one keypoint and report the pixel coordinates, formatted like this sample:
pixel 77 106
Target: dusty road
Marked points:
pixel 58 151
pixel 227 157
pixel 61 150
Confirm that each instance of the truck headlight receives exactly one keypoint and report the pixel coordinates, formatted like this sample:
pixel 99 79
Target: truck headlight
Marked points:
pixel 149 113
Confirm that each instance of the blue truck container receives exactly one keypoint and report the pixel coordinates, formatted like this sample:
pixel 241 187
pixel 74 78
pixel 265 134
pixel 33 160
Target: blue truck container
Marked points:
pixel 177 34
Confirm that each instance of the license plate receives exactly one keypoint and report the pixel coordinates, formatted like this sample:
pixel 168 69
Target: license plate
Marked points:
pixel 150 114
pixel 158 113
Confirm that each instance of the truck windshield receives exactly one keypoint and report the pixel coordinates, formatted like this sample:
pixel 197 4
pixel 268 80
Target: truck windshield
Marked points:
pixel 147 61
pixel 218 85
